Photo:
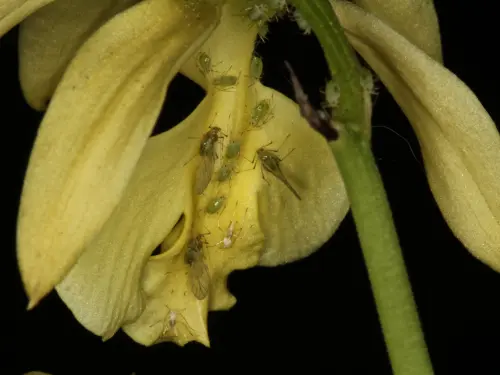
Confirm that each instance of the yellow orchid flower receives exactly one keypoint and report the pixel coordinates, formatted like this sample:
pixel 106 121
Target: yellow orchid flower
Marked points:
pixel 99 197
pixel 94 240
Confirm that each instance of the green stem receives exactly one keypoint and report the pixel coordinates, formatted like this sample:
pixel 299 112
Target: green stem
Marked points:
pixel 383 257
pixel 342 62
pixel 372 215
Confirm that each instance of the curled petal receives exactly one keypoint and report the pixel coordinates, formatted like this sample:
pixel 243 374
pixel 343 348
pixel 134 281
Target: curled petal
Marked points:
pixel 104 288
pixel 14 11
pixel 295 228
pixel 168 281
pixel 94 131
pixel 268 224
pixel 416 20
pixel 50 37
pixel 261 222
pixel 459 141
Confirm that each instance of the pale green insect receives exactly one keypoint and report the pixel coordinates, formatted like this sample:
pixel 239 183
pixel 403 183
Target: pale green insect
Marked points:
pixel 204 63
pixel 263 31
pixel 261 113
pixel 224 82
pixel 367 81
pixel 277 4
pixel 225 172
pixel 258 12
pixel 332 94
pixel 232 152
pixel 301 22
pixel 233 149
pixel 256 68
pixel 215 204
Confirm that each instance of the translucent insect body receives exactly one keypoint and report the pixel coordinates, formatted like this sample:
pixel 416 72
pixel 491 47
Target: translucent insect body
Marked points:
pixel 301 22
pixel 215 204
pixel 225 171
pixel 198 274
pixel 230 235
pixel 204 64
pixel 225 81
pixel 270 161
pixel 261 113
pixel 170 326
pixel 332 94
pixel 256 68
pixel 208 156
pixel 233 149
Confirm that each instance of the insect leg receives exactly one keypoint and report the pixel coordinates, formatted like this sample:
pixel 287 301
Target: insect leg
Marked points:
pixel 186 163
pixel 289 152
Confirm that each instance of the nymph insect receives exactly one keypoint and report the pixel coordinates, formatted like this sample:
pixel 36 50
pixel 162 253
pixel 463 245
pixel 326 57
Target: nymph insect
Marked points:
pixel 256 68
pixel 261 113
pixel 332 94
pixel 233 149
pixel 215 204
pixel 225 81
pixel 225 171
pixel 301 22
pixel 204 64
pixel 230 235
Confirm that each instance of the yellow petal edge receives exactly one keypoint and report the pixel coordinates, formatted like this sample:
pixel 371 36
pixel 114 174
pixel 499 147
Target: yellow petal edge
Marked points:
pixel 416 20
pixel 460 143
pixel 94 131
pixel 14 11
pixel 50 38
pixel 150 297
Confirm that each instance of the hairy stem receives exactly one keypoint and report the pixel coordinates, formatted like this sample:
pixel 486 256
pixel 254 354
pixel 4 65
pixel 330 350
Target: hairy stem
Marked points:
pixel 396 306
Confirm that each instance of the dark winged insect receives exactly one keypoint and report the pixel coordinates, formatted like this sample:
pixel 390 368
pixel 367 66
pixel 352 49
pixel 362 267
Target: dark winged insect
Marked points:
pixel 198 274
pixel 208 156
pixel 270 161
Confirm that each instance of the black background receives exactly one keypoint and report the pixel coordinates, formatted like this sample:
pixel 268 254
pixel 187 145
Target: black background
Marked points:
pixel 316 314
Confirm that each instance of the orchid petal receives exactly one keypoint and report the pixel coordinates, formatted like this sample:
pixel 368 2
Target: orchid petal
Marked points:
pixel 94 131
pixel 416 20
pixel 271 226
pixel 459 141
pixel 50 38
pixel 103 289
pixel 14 11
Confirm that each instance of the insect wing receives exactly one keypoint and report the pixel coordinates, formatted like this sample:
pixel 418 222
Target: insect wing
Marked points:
pixel 283 179
pixel 204 173
pixel 271 163
pixel 199 279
